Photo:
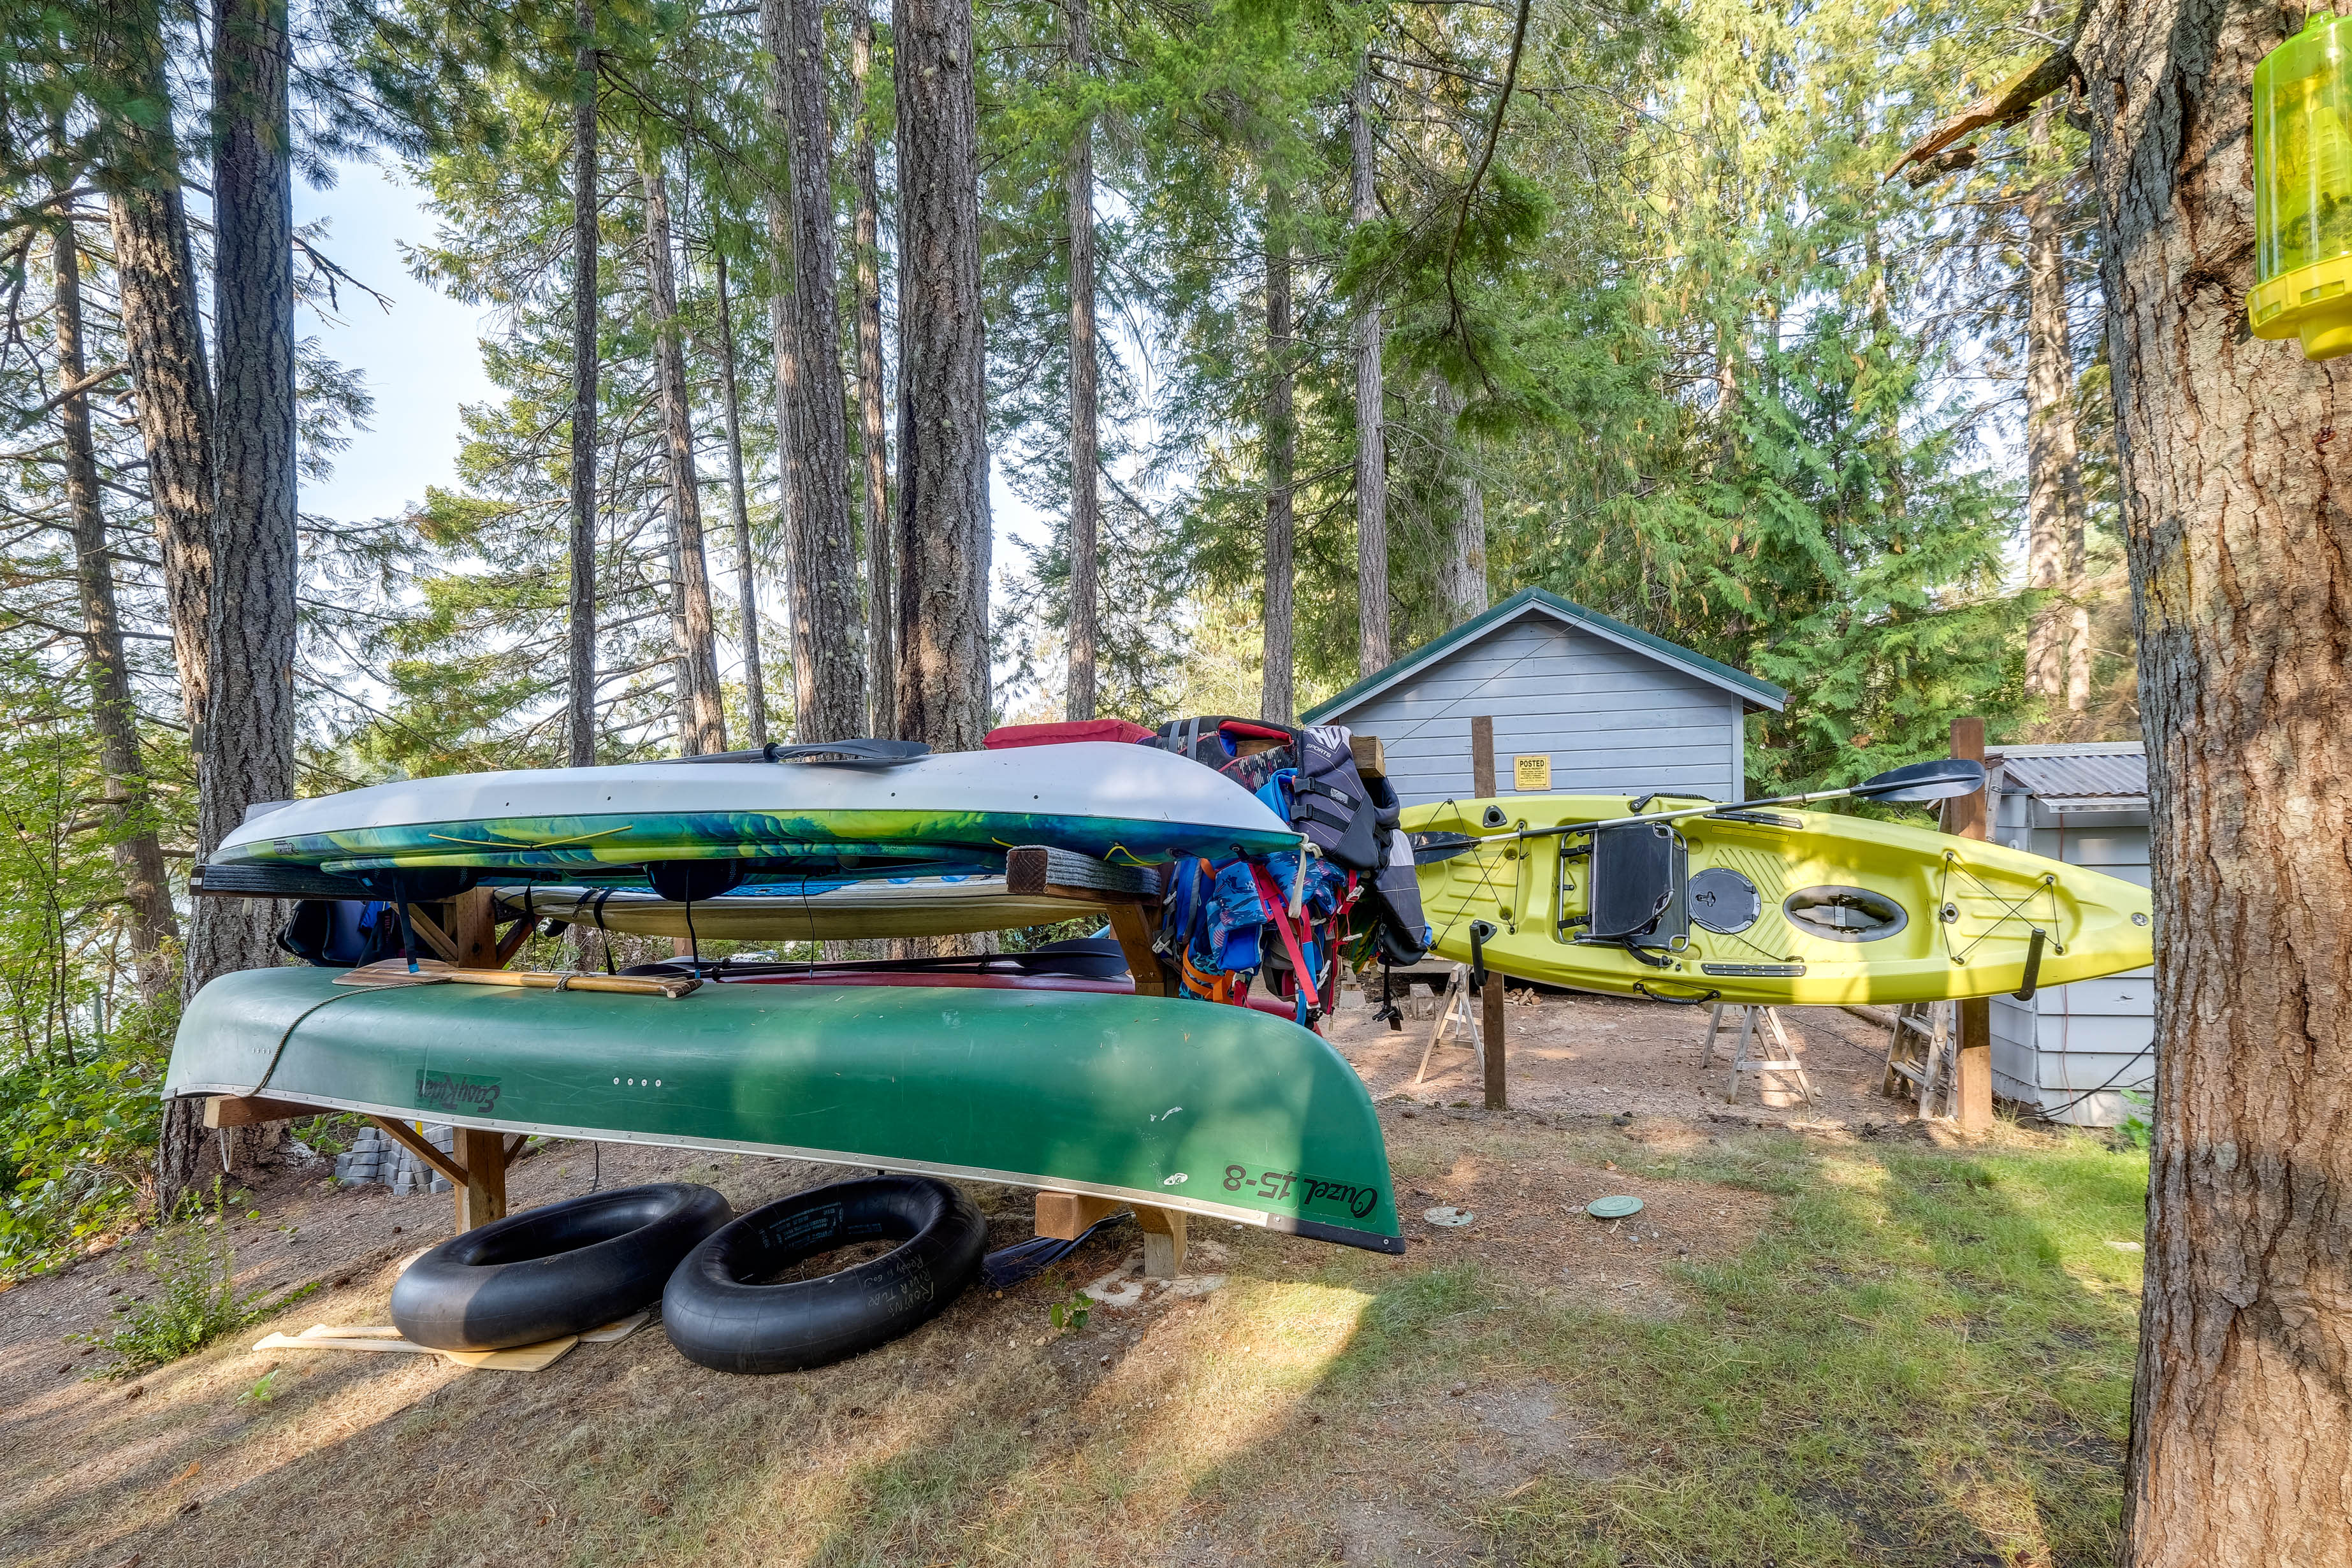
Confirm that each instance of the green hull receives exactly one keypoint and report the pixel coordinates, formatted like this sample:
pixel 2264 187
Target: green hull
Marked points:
pixel 1219 1111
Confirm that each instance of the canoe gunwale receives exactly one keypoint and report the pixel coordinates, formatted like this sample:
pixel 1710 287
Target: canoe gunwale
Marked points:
pixel 1283 1225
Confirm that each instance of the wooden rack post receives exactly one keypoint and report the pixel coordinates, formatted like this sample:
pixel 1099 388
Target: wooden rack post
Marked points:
pixel 1128 897
pixel 1966 817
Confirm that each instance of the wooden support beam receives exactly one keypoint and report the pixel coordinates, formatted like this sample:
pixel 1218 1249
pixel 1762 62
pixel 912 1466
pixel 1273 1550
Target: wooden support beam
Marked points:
pixel 1482 758
pixel 1371 757
pixel 408 1138
pixel 473 922
pixel 482 1195
pixel 1969 817
pixel 1065 1216
pixel 1135 926
pixel 1128 897
pixel 1163 1241
pixel 253 1109
pixel 429 931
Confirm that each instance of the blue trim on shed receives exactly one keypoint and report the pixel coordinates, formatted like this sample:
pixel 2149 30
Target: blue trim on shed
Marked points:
pixel 1757 696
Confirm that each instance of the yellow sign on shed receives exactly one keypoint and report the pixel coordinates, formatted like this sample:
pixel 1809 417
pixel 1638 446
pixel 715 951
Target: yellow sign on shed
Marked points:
pixel 1531 774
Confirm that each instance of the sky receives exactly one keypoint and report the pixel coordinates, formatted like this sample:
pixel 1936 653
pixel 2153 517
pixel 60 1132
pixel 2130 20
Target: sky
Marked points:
pixel 420 357
pixel 423 362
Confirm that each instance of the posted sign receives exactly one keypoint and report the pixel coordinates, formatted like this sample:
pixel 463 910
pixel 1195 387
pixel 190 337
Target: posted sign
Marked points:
pixel 1531 774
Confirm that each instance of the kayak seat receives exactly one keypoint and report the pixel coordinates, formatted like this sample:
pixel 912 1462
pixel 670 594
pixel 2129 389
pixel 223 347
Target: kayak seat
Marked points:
pixel 1635 873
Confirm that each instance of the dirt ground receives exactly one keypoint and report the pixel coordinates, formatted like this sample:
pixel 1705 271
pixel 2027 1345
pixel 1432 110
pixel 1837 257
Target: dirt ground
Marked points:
pixel 626 1452
pixel 1605 1056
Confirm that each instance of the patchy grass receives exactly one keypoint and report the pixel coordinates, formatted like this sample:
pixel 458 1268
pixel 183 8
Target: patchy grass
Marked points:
pixel 1928 1359
pixel 1911 1356
pixel 197 1302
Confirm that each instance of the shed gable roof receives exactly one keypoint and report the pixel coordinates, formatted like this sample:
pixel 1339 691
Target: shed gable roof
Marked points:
pixel 1756 695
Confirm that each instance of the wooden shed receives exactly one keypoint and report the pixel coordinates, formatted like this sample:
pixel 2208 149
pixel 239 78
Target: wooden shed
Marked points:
pixel 1581 705
pixel 2071 1051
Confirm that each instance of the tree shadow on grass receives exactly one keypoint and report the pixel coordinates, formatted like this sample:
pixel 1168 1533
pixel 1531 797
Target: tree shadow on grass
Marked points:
pixel 1925 1358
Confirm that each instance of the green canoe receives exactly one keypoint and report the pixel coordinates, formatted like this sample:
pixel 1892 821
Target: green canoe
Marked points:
pixel 1216 1110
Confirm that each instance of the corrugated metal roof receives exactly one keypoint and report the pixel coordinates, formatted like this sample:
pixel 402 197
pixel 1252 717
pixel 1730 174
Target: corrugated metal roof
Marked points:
pixel 2095 770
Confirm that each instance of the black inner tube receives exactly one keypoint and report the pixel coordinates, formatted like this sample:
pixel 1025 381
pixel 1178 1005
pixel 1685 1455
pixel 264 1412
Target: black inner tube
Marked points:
pixel 719 1317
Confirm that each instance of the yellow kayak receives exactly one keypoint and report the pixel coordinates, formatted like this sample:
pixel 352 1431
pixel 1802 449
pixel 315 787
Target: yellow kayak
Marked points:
pixel 1761 906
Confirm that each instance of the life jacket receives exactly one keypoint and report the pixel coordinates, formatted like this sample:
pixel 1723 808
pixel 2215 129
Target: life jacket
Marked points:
pixel 1391 902
pixel 1330 802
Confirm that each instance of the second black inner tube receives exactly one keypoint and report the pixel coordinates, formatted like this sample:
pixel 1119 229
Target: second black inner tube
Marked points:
pixel 717 1315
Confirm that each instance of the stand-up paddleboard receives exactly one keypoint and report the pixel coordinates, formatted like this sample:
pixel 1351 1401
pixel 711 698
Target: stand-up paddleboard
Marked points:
pixel 1221 1111
pixel 1762 906
pixel 1126 804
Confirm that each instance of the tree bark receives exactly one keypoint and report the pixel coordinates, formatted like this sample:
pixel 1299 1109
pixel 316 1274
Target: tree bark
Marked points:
pixel 873 439
pixel 155 279
pixel 137 856
pixel 702 724
pixel 1275 700
pixel 828 639
pixel 1373 645
pixel 2052 463
pixel 1086 518
pixel 580 662
pixel 2241 552
pixel 755 685
pixel 942 536
pixel 1461 572
pixel 247 750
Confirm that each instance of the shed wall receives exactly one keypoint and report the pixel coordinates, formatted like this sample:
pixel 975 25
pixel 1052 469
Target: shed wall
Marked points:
pixel 1613 721
pixel 2071 1038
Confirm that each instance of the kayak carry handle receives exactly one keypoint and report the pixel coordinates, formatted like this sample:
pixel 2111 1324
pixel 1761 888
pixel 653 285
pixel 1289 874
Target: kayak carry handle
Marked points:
pixel 2032 964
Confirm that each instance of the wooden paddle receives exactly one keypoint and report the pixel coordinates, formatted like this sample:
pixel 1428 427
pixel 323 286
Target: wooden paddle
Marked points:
pixel 392 972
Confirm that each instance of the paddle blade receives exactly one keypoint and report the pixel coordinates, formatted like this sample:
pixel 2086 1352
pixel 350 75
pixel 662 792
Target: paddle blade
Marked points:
pixel 1938 780
pixel 1429 848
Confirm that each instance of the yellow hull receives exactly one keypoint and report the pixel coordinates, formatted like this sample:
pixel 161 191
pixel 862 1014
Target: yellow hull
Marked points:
pixel 1836 909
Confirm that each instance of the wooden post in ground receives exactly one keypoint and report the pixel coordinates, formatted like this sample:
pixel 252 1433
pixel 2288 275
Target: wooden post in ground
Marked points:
pixel 1968 816
pixel 1492 993
pixel 1490 1028
pixel 482 1196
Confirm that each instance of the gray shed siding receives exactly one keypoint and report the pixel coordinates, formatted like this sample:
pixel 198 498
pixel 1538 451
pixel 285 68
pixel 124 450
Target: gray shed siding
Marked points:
pixel 2070 1039
pixel 1611 719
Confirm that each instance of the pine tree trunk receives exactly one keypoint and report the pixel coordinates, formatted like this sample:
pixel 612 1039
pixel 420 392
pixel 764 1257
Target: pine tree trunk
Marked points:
pixel 873 437
pixel 702 724
pixel 1085 519
pixel 1372 646
pixel 1275 702
pixel 247 750
pixel 2053 465
pixel 580 662
pixel 137 856
pixel 828 635
pixel 942 536
pixel 1461 572
pixel 2241 550
pixel 747 595
pixel 155 281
